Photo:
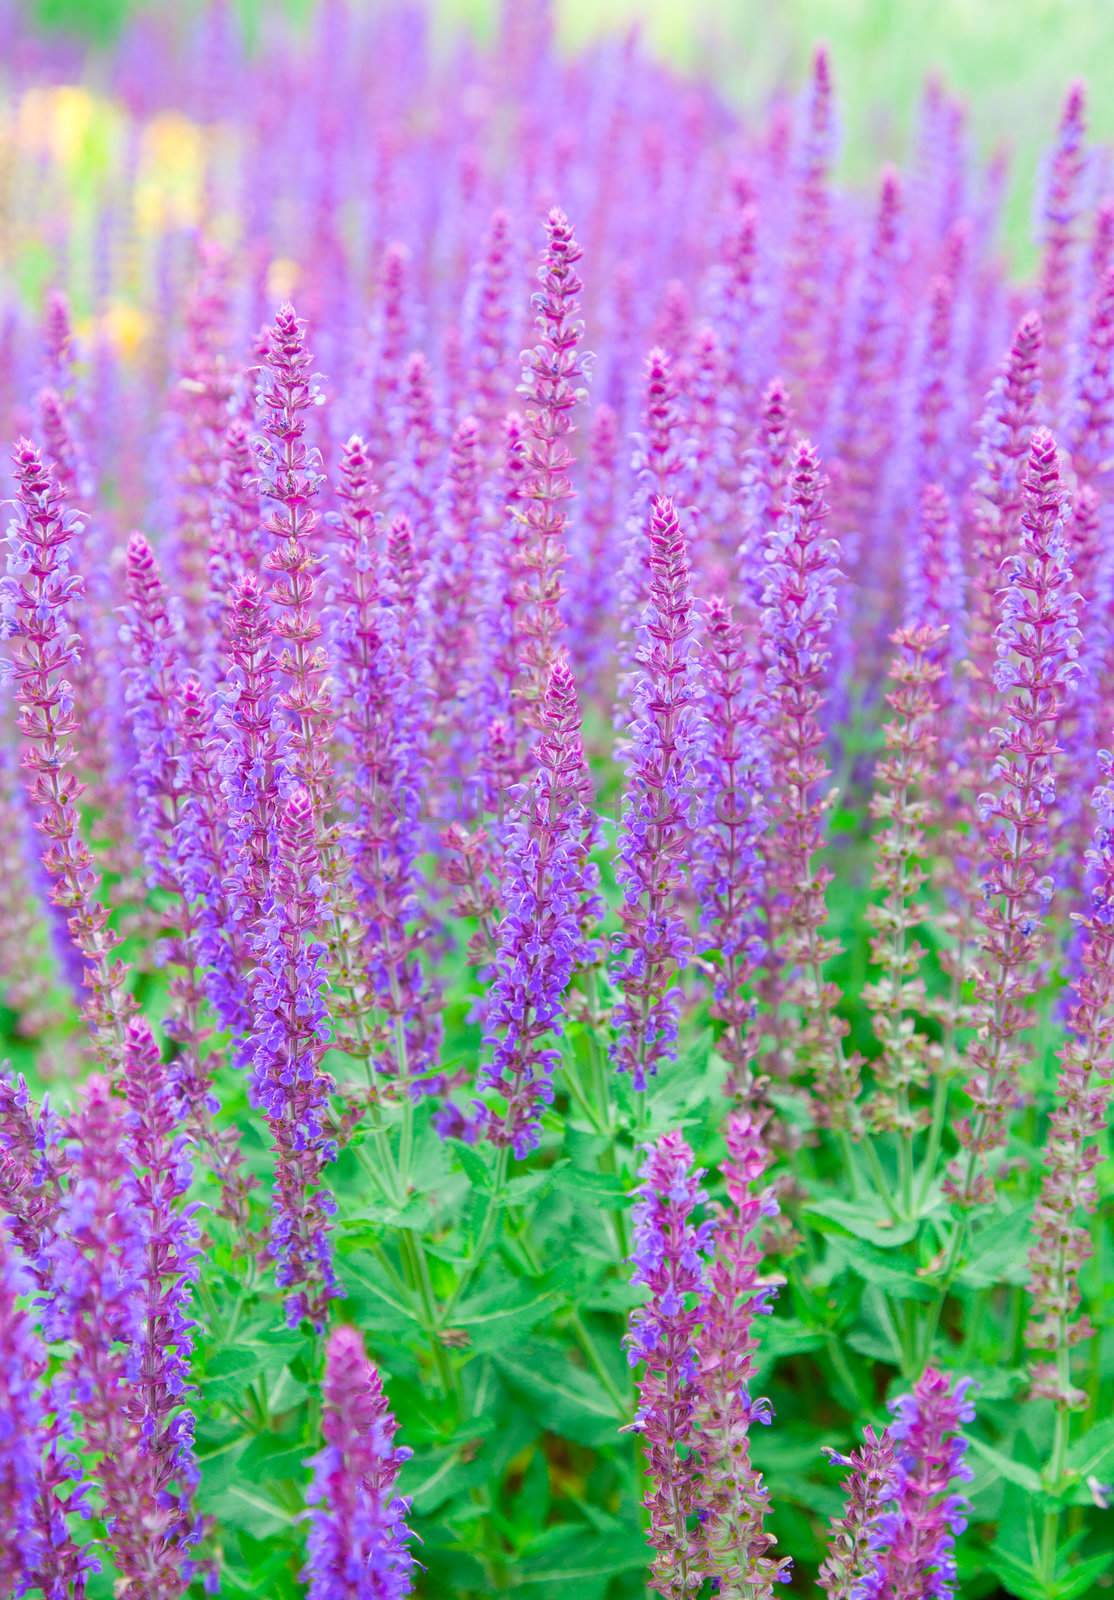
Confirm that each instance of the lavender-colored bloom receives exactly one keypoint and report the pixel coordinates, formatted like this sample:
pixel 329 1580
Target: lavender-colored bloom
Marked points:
pixel 380 646
pixel 798 614
pixel 1091 420
pixel 915 1542
pixel 288 1038
pixel 734 1501
pixel 199 843
pixel 289 482
pixel 96 1267
pixel 254 770
pixel 1062 1243
pixel 159 1181
pixel 655 829
pixel 154 644
pixel 668 1258
pixel 870 1488
pixel 541 939
pixel 36 600
pixel 21 1428
pixel 1037 644
pixel 727 860
pixel 1061 215
pixel 359 1542
pixel 934 577
pixel 554 373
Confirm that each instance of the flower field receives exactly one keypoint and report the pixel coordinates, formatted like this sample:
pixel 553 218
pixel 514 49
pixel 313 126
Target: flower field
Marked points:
pixel 557 951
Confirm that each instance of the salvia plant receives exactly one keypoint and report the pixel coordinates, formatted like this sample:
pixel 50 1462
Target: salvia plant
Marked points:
pixel 558 832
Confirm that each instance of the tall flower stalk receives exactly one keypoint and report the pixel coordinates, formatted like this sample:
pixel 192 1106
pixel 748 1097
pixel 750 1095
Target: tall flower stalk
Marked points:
pixel 1038 643
pixel 359 1544
pixel 1069 1187
pixel 39 592
pixel 553 381
pixel 655 826
pixel 541 933
pixel 734 1501
pixel 669 1247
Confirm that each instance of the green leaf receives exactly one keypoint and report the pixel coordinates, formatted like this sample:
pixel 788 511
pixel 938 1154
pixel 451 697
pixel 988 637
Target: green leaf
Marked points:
pixel 272 1455
pixel 577 1555
pixel 569 1401
pixel 1020 1577
pixel 1027 1478
pixel 245 1506
pixel 593 1188
pixel 1090 1456
pixel 501 1315
pixel 229 1372
pixel 861 1222
pixel 874 1266
pixel 1080 1580
pixel 998 1252
pixel 478 1172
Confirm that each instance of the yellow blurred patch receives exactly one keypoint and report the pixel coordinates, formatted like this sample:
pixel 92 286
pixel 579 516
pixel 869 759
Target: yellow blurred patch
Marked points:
pixel 282 278
pixel 124 327
pixel 171 172
pixel 59 119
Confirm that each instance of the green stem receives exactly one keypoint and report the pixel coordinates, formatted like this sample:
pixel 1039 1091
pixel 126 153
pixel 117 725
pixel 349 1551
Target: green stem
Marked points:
pixel 935 1136
pixel 413 1254
pixel 472 1266
pixel 619 1400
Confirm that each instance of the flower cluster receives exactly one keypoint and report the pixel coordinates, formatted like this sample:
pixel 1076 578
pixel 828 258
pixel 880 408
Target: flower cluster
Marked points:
pixel 1037 643
pixel 541 933
pixel 669 1248
pixel 359 1541
pixel 451 826
pixel 656 821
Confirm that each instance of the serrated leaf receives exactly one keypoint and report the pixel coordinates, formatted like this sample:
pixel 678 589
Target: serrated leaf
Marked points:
pixel 1027 1478
pixel 575 1555
pixel 860 1222
pixel 478 1172
pixel 593 1188
pixel 1019 1577
pixel 501 1315
pixel 998 1252
pixel 874 1266
pixel 245 1506
pixel 572 1402
pixel 1090 1456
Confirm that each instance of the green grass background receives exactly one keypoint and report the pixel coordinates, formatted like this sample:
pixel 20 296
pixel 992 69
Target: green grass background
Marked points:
pixel 1012 59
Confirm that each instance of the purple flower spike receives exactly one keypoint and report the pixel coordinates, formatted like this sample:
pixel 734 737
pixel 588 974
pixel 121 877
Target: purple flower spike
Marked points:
pixel 541 942
pixel 1061 240
pixel 1062 1243
pixel 915 1542
pixel 359 1542
pixel 40 1480
pixel 37 596
pixel 554 374
pixel 734 1501
pixel 798 614
pixel 1038 646
pixel 668 1259
pixel 159 1180
pixel 97 1267
pixel 655 828
pixel 731 816
pixel 21 1429
pixel 290 479
pixel 289 1036
pixel 870 1488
